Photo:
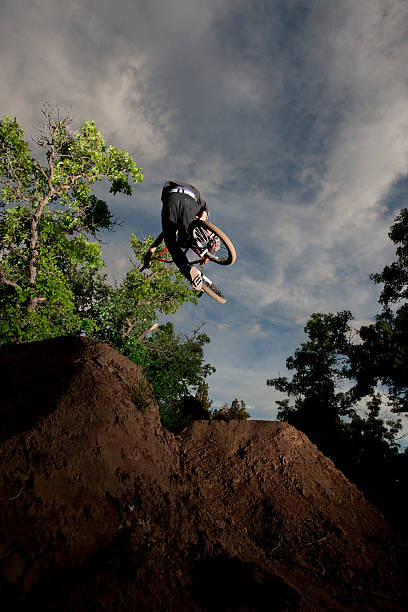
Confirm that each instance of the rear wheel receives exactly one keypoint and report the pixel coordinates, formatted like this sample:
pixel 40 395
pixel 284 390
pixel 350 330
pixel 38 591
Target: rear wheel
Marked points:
pixel 213 242
pixel 213 291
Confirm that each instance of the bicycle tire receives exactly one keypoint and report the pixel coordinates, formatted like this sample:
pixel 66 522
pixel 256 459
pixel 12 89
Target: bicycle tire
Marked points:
pixel 225 255
pixel 213 291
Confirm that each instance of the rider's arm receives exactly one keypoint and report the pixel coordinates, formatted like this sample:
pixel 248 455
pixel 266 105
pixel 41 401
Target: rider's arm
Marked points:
pixel 152 249
pixel 156 243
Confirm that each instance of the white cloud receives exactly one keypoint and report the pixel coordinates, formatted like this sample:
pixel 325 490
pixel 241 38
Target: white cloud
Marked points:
pixel 223 327
pixel 257 330
pixel 101 76
pixel 320 254
pixel 294 130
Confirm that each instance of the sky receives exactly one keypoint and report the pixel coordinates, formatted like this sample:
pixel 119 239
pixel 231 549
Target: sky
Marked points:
pixel 290 117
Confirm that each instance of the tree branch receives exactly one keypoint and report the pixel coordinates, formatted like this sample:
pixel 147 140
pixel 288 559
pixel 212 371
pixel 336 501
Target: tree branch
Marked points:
pixel 7 281
pixel 34 225
pixel 131 326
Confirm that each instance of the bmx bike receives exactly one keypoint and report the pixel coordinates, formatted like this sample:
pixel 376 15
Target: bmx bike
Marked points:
pixel 207 243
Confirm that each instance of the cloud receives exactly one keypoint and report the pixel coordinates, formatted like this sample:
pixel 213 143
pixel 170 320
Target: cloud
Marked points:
pixel 70 58
pixel 291 119
pixel 320 252
pixel 223 327
pixel 257 330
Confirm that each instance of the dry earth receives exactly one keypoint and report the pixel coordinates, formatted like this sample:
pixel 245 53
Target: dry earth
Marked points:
pixel 102 509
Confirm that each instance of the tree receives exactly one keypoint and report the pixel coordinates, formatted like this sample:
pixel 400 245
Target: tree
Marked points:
pixel 122 314
pixel 203 397
pixel 319 399
pixel 322 402
pixel 383 355
pixel 334 375
pixel 236 412
pixel 182 412
pixel 395 276
pixel 174 364
pixel 48 213
pixel 51 273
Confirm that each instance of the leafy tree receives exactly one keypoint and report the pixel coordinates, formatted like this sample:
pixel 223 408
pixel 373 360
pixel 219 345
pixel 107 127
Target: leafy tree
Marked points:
pixel 395 276
pixel 322 402
pixel 316 388
pixel 372 460
pixel 123 314
pixel 182 412
pixel 236 412
pixel 203 397
pixel 177 415
pixel 333 374
pixel 48 212
pixel 383 355
pixel 172 363
pixel 51 271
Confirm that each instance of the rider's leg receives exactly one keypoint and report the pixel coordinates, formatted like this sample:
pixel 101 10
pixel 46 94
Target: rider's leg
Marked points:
pixel 178 255
pixel 178 212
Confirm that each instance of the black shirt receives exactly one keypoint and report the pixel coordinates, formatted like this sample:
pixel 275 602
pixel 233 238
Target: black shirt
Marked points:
pixel 173 185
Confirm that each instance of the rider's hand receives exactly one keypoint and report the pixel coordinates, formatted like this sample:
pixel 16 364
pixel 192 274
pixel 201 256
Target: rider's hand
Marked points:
pixel 147 261
pixel 203 216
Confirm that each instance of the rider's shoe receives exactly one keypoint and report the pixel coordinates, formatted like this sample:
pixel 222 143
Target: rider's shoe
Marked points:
pixel 196 279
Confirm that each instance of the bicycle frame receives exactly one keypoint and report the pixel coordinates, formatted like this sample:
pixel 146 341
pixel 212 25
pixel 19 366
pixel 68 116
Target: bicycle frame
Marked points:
pixel 204 247
pixel 200 252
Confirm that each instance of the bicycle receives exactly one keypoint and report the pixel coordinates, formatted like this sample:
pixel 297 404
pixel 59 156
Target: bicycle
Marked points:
pixel 209 243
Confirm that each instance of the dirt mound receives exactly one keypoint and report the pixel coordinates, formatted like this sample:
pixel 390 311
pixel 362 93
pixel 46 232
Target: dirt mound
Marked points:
pixel 100 508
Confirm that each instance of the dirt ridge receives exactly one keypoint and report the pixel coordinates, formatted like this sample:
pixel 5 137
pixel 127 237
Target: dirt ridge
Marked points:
pixel 103 509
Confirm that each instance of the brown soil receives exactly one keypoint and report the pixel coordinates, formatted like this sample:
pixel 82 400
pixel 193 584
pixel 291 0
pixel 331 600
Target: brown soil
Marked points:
pixel 102 509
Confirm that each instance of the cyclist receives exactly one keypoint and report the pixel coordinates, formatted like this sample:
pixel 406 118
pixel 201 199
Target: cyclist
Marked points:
pixel 182 204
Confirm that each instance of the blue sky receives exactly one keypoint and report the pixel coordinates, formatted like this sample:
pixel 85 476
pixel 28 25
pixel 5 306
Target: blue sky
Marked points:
pixel 291 118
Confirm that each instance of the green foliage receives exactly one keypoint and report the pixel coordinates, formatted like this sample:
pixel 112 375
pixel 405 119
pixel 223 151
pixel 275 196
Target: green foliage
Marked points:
pixel 182 412
pixel 383 355
pixel 203 397
pixel 173 364
pixel 51 271
pixel 122 314
pixel 47 214
pixel 316 387
pixel 395 276
pixel 323 403
pixel 334 372
pixel 177 414
pixel 236 412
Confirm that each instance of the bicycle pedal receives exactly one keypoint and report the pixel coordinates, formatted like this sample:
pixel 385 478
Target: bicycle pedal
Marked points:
pixel 196 279
pixel 197 282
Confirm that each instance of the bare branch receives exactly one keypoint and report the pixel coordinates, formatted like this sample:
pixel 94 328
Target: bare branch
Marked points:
pixel 16 252
pixel 34 301
pixel 147 331
pixel 7 281
pixel 131 327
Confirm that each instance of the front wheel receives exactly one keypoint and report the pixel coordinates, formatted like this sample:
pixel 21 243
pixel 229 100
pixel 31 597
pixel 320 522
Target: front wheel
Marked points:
pixel 213 242
pixel 213 291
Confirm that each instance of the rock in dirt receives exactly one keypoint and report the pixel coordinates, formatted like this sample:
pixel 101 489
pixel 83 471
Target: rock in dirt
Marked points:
pixel 100 508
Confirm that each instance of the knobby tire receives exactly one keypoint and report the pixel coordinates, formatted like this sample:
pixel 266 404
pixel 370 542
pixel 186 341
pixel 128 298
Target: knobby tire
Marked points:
pixel 227 256
pixel 213 291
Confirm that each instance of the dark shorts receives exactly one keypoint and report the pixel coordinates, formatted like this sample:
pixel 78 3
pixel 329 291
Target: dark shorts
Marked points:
pixel 178 211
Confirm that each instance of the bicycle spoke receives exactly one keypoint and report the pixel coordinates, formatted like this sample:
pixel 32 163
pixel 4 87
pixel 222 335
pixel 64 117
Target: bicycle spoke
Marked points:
pixel 209 241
